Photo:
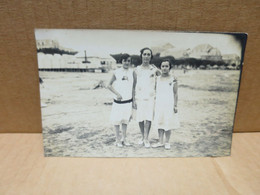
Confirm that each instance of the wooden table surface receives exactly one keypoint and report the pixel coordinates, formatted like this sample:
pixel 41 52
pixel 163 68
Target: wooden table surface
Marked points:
pixel 24 170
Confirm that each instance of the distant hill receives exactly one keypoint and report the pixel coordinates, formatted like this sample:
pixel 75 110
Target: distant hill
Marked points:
pixel 206 51
pixel 162 48
pixel 176 53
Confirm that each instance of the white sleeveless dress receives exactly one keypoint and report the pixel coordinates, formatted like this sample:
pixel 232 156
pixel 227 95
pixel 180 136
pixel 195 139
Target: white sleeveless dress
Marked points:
pixel 145 92
pixel 165 118
pixel 121 112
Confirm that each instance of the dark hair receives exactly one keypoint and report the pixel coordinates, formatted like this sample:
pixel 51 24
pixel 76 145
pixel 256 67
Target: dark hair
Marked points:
pixel 166 60
pixel 124 57
pixel 146 48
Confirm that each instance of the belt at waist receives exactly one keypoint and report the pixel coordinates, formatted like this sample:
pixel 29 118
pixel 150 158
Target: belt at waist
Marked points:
pixel 123 102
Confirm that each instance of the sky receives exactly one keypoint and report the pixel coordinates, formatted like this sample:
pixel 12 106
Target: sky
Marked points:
pixel 105 42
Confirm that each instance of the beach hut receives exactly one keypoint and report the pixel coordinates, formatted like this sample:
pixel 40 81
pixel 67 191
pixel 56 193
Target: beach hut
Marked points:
pixel 202 67
pixel 108 61
pixel 231 67
pixel 81 66
pixel 209 67
pixel 103 63
pixel 63 63
pixel 56 62
pixel 68 62
pixel 222 67
pixel 45 61
pixel 40 57
pixel 215 67
pixel 48 62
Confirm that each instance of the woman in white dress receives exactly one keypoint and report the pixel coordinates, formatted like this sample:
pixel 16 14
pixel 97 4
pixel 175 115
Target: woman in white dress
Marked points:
pixel 166 118
pixel 121 84
pixel 144 94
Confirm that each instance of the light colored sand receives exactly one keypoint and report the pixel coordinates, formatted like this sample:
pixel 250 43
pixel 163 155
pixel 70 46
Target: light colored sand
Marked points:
pixel 76 119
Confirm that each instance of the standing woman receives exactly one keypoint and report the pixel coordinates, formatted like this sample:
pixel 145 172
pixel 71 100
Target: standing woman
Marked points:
pixel 166 118
pixel 144 94
pixel 121 85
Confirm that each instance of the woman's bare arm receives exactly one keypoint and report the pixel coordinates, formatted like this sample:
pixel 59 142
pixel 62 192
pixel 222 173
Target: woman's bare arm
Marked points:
pixel 175 92
pixel 111 88
pixel 134 91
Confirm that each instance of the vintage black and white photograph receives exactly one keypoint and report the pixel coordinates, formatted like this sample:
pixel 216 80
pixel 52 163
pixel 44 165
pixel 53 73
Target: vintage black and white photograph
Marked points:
pixel 138 93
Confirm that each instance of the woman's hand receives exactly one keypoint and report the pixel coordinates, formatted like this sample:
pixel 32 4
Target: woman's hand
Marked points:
pixel 175 109
pixel 119 97
pixel 134 105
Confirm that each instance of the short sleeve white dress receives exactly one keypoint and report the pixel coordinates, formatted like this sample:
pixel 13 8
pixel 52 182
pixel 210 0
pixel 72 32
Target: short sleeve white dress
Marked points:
pixel 145 92
pixel 121 111
pixel 165 118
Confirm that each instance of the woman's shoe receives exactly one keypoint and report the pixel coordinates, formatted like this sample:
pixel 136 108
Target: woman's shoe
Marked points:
pixel 125 143
pixel 141 142
pixel 119 144
pixel 167 146
pixel 157 145
pixel 147 144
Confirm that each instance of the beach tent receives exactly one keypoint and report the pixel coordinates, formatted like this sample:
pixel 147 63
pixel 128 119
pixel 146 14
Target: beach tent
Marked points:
pixel 208 66
pixel 202 67
pixel 44 61
pixel 56 61
pixel 80 60
pixel 81 65
pixel 231 67
pixel 215 67
pixel 94 62
pixel 48 61
pixel 66 60
pixel 222 67
pixel 108 60
pixel 40 57
pixel 101 62
pixel 63 62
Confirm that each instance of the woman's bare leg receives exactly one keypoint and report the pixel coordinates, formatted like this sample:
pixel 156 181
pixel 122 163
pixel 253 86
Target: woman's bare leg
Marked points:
pixel 167 140
pixel 141 126
pixel 167 136
pixel 161 135
pixel 147 127
pixel 117 128
pixel 124 128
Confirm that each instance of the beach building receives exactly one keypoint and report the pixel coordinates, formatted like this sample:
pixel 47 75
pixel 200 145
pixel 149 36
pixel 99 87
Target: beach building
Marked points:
pixel 56 62
pixel 102 63
pixel 47 43
pixel 74 63
pixel 232 60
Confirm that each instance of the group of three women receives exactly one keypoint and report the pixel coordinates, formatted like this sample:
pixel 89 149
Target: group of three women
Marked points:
pixel 152 92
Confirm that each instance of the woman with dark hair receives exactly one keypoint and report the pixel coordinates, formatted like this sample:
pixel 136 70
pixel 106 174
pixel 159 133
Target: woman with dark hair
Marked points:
pixel 121 85
pixel 144 93
pixel 165 118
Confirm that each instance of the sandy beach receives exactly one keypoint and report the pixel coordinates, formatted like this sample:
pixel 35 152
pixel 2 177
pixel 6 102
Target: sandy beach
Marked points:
pixel 75 116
